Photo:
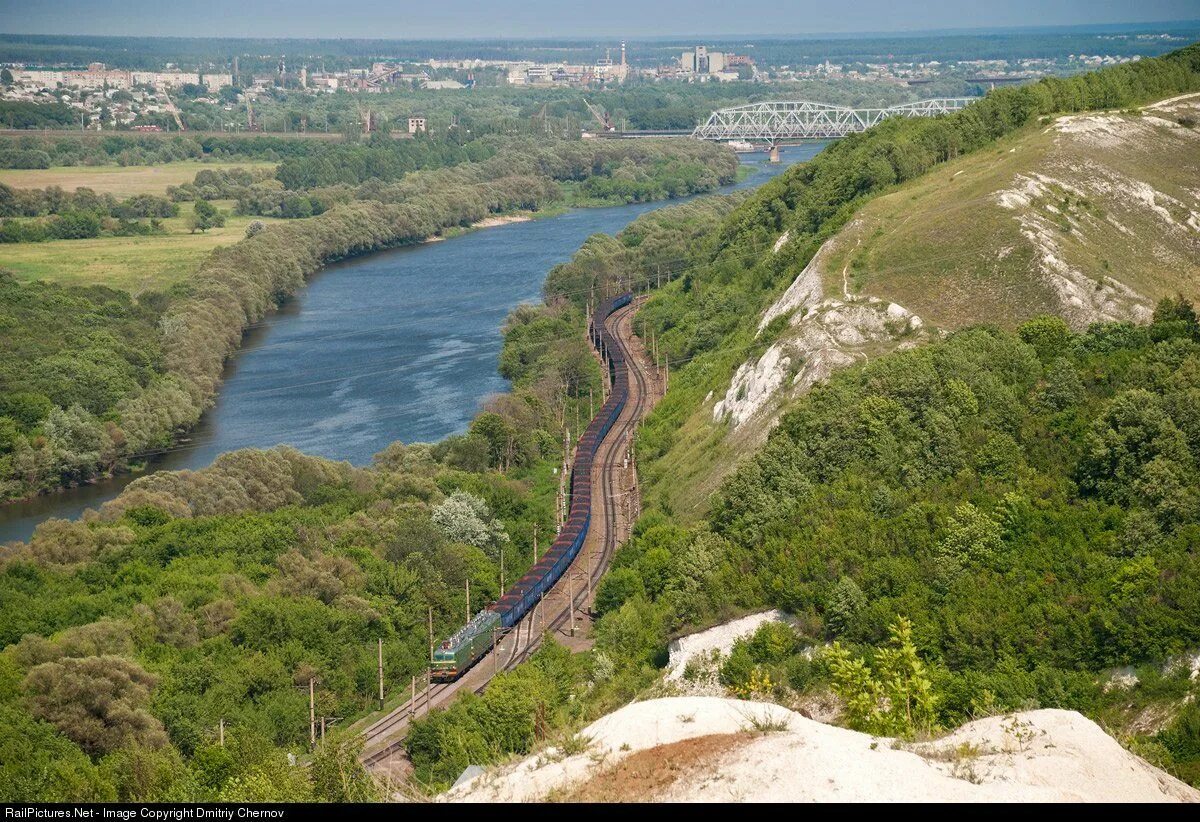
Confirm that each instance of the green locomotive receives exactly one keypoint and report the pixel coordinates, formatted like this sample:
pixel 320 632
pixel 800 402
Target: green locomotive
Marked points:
pixel 458 653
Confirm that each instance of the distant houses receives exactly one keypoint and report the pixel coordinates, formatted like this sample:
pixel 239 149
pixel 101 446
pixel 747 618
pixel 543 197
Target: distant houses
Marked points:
pixel 98 76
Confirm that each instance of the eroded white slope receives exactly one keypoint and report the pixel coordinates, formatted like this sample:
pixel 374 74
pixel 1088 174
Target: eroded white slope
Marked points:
pixel 1035 756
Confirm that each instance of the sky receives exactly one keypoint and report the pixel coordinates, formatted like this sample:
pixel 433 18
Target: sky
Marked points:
pixel 402 19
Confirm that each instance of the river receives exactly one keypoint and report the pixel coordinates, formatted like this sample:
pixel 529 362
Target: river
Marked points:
pixel 396 345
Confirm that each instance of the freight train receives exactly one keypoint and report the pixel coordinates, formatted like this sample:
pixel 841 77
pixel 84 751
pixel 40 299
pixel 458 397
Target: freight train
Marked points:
pixel 455 655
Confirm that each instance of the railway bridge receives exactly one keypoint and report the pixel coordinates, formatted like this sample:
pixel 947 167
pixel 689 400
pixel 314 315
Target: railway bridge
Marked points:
pixel 784 121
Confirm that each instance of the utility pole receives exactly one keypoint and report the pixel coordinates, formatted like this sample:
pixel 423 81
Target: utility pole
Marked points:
pixel 381 673
pixel 468 599
pixel 501 571
pixel 312 713
pixel 431 636
pixel 535 527
pixel 571 600
pixel 412 701
pixel 562 482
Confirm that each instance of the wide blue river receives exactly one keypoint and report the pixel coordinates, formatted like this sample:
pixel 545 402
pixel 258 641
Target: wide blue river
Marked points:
pixel 396 345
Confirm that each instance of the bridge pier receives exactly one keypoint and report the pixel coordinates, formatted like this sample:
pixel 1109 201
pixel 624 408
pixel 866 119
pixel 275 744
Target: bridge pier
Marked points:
pixel 773 153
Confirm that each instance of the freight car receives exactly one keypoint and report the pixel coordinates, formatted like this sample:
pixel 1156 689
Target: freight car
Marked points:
pixel 454 655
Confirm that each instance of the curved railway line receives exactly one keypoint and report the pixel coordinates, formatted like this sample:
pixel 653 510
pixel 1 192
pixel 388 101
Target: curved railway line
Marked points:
pixel 384 738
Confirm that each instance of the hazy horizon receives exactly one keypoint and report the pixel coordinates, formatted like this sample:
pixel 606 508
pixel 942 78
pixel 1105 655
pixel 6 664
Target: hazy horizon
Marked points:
pixel 472 19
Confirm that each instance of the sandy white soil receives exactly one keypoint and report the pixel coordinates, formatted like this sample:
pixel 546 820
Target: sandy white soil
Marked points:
pixel 1036 756
pixel 504 219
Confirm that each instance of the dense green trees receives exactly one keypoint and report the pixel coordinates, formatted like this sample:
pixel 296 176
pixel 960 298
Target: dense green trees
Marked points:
pixel 1033 545
pixel 197 597
pixel 23 114
pixel 65 216
pixel 67 149
pixel 71 355
pixel 205 216
pixel 98 702
pixel 382 159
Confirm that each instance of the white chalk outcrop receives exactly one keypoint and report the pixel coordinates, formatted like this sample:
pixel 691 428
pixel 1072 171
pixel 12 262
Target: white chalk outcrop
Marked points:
pixel 1035 756
pixel 822 336
pixel 1085 298
pixel 691 667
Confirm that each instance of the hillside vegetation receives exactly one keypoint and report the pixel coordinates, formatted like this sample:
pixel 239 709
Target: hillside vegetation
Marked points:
pixel 1090 216
pixel 715 319
pixel 991 523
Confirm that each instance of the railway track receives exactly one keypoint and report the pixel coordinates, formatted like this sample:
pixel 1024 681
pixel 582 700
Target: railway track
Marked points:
pixel 384 738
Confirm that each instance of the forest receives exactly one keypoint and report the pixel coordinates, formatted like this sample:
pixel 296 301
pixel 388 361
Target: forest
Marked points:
pixel 214 597
pixel 21 114
pixel 125 149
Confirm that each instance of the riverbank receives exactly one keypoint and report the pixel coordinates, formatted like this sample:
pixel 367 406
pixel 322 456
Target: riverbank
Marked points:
pixel 147 402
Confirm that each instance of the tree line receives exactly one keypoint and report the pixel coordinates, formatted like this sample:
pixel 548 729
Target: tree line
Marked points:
pixel 59 215
pixel 34 151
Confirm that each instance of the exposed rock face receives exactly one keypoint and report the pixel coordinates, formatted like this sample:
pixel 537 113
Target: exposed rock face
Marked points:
pixel 822 335
pixel 701 649
pixel 1085 298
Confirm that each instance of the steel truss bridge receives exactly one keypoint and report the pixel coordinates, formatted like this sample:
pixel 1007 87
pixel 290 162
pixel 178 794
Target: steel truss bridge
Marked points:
pixel 778 122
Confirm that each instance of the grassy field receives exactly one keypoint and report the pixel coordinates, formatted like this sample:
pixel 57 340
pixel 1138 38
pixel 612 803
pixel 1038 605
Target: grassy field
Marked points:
pixel 134 264
pixel 120 181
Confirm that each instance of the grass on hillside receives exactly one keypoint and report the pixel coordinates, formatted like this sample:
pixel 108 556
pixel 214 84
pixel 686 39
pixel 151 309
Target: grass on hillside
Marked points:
pixel 943 246
pixel 134 264
pixel 120 181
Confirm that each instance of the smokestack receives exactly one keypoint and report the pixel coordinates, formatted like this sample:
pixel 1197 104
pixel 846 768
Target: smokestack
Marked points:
pixel 622 52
